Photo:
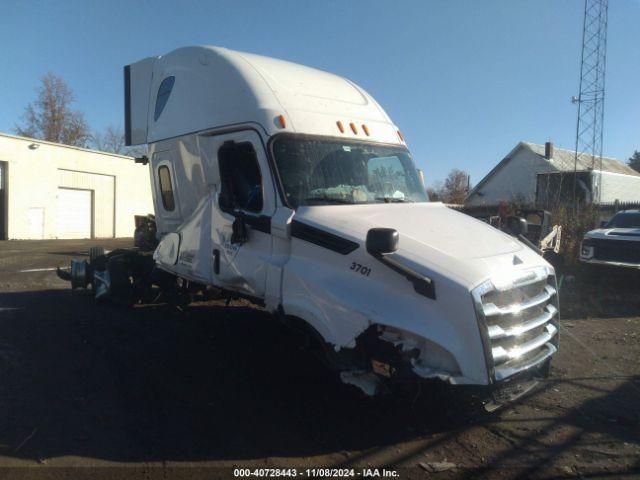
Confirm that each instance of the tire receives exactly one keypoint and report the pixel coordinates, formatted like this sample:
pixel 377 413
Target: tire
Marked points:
pixel 95 252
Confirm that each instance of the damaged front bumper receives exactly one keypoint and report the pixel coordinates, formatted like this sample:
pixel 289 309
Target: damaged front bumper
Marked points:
pixel 518 321
pixel 488 397
pixel 401 360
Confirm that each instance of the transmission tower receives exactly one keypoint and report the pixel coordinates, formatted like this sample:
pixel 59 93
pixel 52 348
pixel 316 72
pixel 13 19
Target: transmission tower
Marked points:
pixel 590 100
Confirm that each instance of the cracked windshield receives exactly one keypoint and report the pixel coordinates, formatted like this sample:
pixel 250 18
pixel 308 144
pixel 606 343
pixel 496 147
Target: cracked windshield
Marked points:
pixel 324 172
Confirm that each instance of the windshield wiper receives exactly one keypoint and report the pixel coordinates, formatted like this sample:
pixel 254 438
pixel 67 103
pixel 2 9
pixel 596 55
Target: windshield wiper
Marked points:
pixel 328 200
pixel 393 200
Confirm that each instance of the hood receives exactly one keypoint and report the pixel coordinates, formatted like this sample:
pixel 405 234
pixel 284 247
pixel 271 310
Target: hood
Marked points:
pixel 615 233
pixel 434 239
pixel 428 225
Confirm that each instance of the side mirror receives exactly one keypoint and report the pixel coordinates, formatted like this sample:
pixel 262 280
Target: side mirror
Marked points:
pixel 381 241
pixel 239 233
pixel 517 225
pixel 603 224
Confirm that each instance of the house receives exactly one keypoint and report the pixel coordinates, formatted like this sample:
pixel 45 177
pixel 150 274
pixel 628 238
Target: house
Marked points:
pixel 541 174
pixel 49 190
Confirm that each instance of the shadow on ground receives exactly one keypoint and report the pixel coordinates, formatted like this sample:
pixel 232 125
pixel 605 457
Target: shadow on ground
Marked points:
pixel 148 384
pixel 600 292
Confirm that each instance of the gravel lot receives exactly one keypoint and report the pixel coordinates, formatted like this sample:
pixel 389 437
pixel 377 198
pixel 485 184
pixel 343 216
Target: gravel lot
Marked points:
pixel 147 392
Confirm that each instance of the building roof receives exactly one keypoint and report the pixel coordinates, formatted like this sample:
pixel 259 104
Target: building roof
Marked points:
pixel 62 145
pixel 564 160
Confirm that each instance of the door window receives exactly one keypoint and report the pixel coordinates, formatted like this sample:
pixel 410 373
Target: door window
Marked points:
pixel 166 188
pixel 241 182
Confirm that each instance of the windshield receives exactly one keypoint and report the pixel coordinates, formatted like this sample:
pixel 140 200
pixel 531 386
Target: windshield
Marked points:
pixel 625 220
pixel 318 171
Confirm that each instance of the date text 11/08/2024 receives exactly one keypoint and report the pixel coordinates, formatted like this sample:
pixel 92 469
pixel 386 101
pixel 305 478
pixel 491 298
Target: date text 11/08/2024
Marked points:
pixel 316 472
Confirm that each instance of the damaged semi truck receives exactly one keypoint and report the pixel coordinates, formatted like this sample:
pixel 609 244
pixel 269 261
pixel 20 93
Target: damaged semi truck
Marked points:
pixel 291 187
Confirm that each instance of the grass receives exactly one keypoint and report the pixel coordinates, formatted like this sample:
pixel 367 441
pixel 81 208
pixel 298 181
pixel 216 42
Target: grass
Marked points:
pixel 574 226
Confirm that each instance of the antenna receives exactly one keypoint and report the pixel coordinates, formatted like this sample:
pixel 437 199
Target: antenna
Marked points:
pixel 590 100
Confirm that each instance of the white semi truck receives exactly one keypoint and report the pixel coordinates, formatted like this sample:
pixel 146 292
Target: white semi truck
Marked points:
pixel 291 187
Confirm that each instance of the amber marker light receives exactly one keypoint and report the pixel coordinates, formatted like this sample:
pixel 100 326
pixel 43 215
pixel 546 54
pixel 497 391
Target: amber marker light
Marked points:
pixel 400 136
pixel 353 128
pixel 365 129
pixel 340 126
pixel 282 121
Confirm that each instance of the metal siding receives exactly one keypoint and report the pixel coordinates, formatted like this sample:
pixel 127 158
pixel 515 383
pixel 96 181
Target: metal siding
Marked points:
pixel 103 187
pixel 623 188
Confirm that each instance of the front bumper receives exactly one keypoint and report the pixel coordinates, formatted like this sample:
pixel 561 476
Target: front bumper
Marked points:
pixel 611 263
pixel 612 252
pixel 518 385
pixel 498 394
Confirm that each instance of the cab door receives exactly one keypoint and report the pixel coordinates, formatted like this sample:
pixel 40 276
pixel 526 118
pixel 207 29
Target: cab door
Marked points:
pixel 243 206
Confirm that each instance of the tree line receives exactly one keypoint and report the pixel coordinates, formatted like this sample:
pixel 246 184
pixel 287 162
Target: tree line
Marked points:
pixel 51 117
pixel 454 189
pixel 634 161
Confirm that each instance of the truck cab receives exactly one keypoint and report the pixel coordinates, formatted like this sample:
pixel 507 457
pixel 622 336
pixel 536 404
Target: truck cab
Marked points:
pixel 292 187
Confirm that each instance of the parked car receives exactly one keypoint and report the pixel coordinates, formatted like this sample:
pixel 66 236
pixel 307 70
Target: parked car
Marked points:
pixel 616 242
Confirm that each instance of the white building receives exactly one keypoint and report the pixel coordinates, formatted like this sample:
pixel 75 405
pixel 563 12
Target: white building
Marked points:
pixel 532 173
pixel 49 190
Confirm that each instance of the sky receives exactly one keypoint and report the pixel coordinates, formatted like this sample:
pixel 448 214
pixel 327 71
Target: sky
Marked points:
pixel 464 80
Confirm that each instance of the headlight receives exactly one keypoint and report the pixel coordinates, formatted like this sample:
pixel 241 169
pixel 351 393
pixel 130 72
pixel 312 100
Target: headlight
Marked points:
pixel 586 250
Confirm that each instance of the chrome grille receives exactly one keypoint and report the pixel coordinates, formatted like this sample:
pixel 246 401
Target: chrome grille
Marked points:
pixel 519 321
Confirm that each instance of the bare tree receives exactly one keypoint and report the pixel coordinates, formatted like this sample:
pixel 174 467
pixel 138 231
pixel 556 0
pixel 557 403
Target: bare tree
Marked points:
pixel 435 191
pixel 50 117
pixel 112 140
pixel 456 187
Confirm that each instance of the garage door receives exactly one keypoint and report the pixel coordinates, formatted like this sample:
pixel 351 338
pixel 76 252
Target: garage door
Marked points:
pixel 74 213
pixel 103 188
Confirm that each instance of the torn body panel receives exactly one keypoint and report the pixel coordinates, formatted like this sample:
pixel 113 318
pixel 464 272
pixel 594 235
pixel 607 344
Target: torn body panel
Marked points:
pixel 385 355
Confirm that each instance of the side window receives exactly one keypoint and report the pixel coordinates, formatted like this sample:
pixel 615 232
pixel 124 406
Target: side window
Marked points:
pixel 166 188
pixel 163 96
pixel 241 182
